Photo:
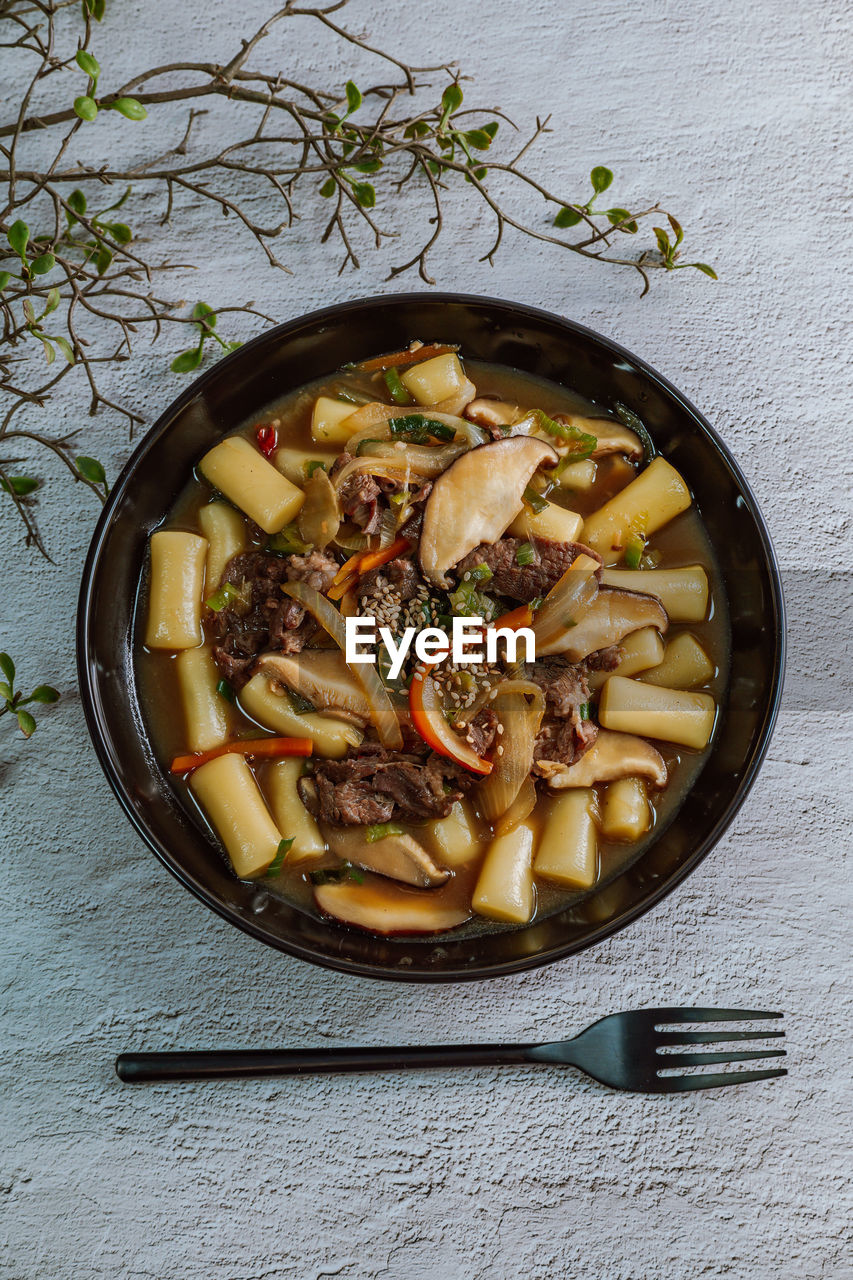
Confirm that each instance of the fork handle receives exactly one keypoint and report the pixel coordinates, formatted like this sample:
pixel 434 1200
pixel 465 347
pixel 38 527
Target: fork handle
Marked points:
pixel 220 1064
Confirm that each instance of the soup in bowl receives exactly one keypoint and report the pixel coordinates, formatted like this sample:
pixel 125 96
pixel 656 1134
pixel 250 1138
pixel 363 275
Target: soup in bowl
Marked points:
pixel 432 649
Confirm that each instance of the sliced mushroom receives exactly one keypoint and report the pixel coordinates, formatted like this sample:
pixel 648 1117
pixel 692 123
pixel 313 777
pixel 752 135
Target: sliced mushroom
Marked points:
pixel 397 857
pixel 611 756
pixel 475 500
pixel 322 676
pixel 611 436
pixel 492 413
pixel 320 516
pixel 380 907
pixel 612 615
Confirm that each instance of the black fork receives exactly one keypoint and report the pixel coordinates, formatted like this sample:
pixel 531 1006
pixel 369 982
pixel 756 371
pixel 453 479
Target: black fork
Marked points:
pixel 624 1050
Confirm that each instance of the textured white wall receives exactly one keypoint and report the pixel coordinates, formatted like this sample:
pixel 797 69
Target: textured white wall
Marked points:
pixel 736 116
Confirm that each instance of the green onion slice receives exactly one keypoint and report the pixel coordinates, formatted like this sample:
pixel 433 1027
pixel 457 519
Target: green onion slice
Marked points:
pixel 634 549
pixel 288 542
pixel 278 861
pixel 300 705
pixel 534 500
pixel 581 443
pixel 226 595
pixel 382 829
pixel 396 389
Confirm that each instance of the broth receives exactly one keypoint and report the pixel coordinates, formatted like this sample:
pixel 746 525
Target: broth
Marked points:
pixel 681 541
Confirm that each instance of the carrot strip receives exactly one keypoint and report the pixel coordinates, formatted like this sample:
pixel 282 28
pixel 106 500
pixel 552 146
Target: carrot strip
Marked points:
pixel 373 559
pixel 339 589
pixel 348 567
pixel 399 358
pixel 271 748
pixel 515 619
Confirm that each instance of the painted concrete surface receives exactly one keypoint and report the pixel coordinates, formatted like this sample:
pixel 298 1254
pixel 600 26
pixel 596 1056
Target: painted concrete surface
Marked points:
pixel 734 115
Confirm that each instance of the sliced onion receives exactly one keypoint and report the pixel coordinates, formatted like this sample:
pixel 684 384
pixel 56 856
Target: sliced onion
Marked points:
pixel 381 707
pixel 521 721
pixel 320 515
pixel 567 601
pixel 386 467
pixel 521 808
pixel 423 459
pixel 387 528
pixel 352 540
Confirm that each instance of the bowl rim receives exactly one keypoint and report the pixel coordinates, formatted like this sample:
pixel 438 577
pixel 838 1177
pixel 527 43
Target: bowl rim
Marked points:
pixel 254 928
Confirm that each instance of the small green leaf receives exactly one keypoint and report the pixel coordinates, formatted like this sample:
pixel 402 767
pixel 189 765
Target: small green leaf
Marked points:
pixel 567 217
pixel 76 206
pixel 20 485
pixel 479 139
pixel 119 231
pixel 704 268
pixel 49 352
pixel 89 63
pixel 365 194
pixel 129 108
pixel 52 301
pixel 7 666
pixel 64 346
pixel 353 97
pixel 5 691
pixel 44 693
pixel 5 277
pixel 186 361
pixel 203 311
pixel 491 128
pixel 44 263
pixel 451 100
pixel 85 107
pixel 95 8
pixel 676 227
pixel 418 129
pixel 18 237
pixel 601 178
pixel 663 241
pixel 478 173
pixel 26 722
pixel 90 469
pixel 103 258
pixel 328 188
pixel 616 216
pixel 29 310
pixel 368 166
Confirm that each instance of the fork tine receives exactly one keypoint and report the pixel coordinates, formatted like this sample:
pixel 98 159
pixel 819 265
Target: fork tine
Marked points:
pixel 682 1084
pixel 706 1037
pixel 708 1015
pixel 700 1059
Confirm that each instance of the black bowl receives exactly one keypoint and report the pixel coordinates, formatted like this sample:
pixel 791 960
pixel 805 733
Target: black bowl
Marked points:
pixel 242 385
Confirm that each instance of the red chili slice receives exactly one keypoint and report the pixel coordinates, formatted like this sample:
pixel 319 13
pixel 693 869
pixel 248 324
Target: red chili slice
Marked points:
pixel 267 438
